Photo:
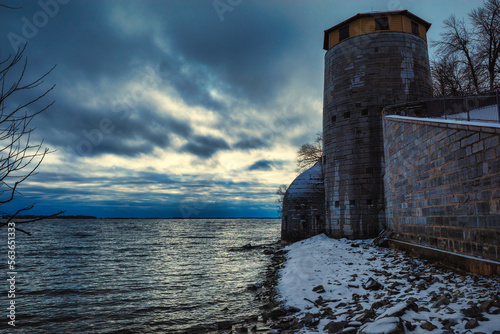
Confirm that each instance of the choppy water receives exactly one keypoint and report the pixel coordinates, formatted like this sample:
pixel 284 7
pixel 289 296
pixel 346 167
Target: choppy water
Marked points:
pixel 134 276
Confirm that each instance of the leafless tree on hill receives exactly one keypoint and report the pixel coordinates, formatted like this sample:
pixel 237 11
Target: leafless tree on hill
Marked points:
pixel 468 55
pixel 456 41
pixel 486 24
pixel 449 77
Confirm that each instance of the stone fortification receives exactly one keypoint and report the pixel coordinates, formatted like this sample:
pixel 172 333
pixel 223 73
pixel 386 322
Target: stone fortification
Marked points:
pixel 442 184
pixel 362 75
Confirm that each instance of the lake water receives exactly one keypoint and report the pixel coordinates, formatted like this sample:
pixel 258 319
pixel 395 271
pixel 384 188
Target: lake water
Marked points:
pixel 134 276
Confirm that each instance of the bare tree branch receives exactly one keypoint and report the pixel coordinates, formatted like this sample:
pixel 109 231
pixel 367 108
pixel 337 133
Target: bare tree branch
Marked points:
pixel 486 32
pixel 469 54
pixel 19 156
pixel 9 7
pixel 457 41
pixel 449 78
pixel 30 220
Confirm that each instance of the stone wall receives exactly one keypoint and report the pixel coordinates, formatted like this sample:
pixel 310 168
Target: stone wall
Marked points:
pixel 442 184
pixel 303 213
pixel 363 75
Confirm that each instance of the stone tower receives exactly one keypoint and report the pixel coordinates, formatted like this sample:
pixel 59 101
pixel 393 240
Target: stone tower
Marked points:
pixel 372 61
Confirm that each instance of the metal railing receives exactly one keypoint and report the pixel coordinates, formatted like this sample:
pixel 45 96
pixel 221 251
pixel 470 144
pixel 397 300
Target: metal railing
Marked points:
pixel 483 108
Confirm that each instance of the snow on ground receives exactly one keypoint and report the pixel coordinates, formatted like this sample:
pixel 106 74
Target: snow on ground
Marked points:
pixel 361 288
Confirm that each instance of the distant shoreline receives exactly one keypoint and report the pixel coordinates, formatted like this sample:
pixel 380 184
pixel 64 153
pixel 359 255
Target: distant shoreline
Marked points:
pixel 93 217
pixel 48 217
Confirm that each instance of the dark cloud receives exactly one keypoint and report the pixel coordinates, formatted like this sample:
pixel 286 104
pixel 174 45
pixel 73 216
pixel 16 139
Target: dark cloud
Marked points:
pixel 87 131
pixel 205 146
pixel 250 143
pixel 265 165
pixel 122 177
pixel 231 50
pixel 248 54
pixel 151 178
pixel 192 82
pixel 99 46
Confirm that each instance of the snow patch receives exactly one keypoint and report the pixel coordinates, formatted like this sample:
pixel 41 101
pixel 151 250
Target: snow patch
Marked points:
pixel 307 182
pixel 382 326
pixel 447 121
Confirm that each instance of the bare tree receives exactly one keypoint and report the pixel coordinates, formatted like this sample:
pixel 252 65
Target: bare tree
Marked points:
pixel 281 191
pixel 457 41
pixel 309 154
pixel 19 156
pixel 449 77
pixel 486 32
pixel 469 54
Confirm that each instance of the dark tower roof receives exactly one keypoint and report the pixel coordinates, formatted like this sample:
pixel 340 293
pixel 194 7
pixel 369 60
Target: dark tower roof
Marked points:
pixel 359 16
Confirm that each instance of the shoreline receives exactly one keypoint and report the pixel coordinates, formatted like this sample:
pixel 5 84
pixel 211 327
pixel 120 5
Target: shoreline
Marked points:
pixel 270 311
pixel 386 289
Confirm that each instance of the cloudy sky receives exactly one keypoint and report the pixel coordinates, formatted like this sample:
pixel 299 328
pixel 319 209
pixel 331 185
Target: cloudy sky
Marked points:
pixel 178 108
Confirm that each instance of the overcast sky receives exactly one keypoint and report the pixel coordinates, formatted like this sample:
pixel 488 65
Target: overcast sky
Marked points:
pixel 179 108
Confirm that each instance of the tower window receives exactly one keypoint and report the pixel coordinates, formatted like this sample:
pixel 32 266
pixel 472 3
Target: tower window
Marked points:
pixel 343 33
pixel 382 23
pixel 364 112
pixel 347 115
pixel 369 170
pixel 352 202
pixel 369 202
pixel 337 204
pixel 334 119
pixel 414 28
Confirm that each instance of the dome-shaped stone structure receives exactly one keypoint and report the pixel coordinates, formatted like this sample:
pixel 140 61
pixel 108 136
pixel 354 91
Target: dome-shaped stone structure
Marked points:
pixel 304 206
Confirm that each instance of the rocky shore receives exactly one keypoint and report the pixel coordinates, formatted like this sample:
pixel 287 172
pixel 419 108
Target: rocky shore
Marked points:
pixel 341 286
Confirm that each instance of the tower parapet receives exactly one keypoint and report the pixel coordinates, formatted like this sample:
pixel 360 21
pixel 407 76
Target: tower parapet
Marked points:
pixel 369 23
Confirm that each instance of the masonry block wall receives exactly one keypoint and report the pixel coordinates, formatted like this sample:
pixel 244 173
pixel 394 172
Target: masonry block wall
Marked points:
pixel 364 74
pixel 442 185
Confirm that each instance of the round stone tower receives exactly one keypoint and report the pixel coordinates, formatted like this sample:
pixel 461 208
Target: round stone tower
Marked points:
pixel 372 61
